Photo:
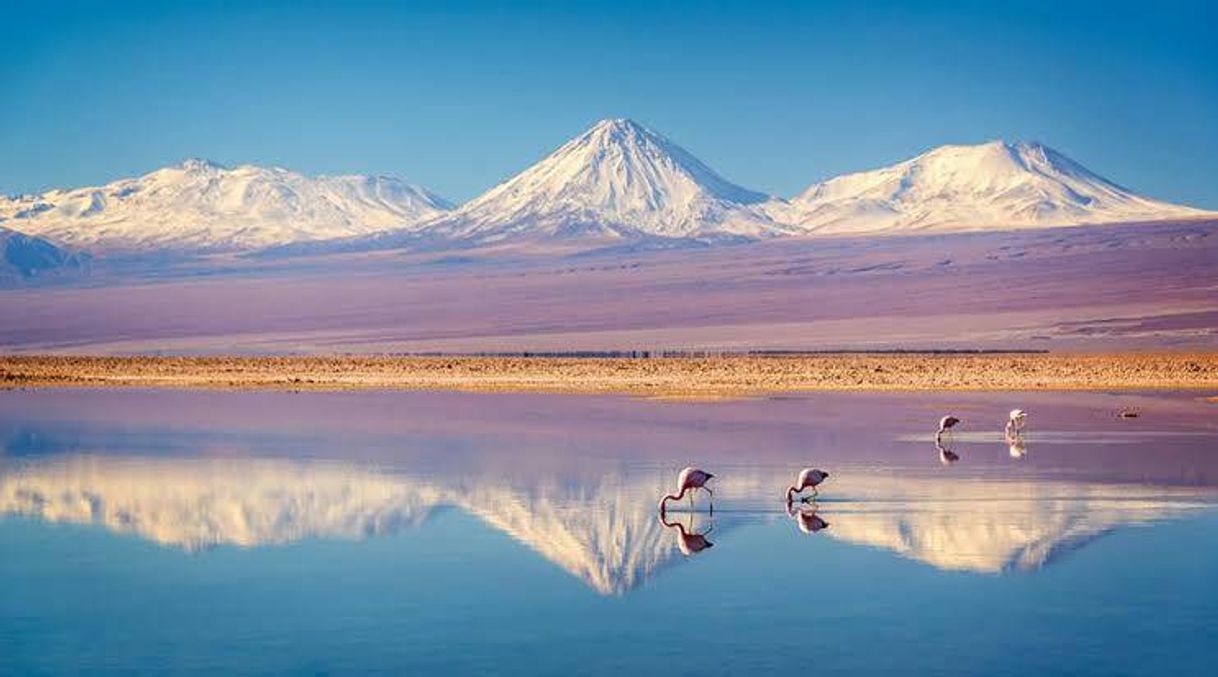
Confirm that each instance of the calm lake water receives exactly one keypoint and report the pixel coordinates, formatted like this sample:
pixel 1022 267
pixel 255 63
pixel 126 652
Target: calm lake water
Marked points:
pixel 452 533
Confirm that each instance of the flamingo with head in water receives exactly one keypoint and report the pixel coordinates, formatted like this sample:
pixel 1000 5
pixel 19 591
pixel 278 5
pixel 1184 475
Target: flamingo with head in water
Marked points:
pixel 689 480
pixel 808 478
pixel 945 424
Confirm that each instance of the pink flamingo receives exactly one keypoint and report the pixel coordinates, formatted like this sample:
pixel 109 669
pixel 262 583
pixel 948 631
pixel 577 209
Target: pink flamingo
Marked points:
pixel 809 478
pixel 946 423
pixel 689 480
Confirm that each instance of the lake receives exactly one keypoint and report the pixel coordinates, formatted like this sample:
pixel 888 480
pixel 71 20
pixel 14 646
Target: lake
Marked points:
pixel 424 533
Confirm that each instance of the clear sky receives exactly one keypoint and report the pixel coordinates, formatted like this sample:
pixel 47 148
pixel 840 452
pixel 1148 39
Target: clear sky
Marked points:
pixel 458 96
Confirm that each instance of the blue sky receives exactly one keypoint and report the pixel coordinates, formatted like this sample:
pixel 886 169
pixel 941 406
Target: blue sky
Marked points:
pixel 460 95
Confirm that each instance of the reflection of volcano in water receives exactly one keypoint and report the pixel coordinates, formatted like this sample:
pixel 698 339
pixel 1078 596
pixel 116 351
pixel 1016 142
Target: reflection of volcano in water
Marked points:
pixel 994 525
pixel 199 503
pixel 607 534
pixel 604 531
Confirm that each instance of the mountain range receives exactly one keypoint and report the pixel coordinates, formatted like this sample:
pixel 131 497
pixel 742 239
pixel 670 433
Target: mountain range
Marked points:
pixel 617 182
pixel 203 206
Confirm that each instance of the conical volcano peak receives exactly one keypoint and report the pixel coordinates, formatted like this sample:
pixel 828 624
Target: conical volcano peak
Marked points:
pixel 618 125
pixel 616 179
pixel 198 164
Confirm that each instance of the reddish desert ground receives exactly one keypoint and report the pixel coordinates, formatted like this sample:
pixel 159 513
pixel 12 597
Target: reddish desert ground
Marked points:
pixel 1101 288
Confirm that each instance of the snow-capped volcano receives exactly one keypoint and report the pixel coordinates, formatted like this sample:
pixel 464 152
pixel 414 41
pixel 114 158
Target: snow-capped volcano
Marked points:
pixel 953 188
pixel 200 205
pixel 617 179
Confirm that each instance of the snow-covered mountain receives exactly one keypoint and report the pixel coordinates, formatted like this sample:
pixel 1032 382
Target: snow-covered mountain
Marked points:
pixel 955 188
pixel 199 205
pixel 618 184
pixel 616 180
pixel 23 256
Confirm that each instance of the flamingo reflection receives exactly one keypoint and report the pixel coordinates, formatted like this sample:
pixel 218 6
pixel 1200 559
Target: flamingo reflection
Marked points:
pixel 946 456
pixel 1016 445
pixel 689 541
pixel 806 518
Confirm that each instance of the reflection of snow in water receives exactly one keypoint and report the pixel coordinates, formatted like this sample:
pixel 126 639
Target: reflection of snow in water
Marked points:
pixel 994 526
pixel 199 503
pixel 604 530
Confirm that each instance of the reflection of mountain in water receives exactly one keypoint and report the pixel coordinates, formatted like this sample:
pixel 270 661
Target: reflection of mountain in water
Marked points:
pixel 994 526
pixel 604 531
pixel 199 503
pixel 607 534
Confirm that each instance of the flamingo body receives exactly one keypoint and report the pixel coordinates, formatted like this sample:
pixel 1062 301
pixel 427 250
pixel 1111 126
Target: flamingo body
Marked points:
pixel 808 478
pixel 689 479
pixel 692 478
pixel 1017 419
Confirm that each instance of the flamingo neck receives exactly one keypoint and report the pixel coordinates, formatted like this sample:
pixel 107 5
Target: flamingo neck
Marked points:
pixel 671 497
pixel 791 490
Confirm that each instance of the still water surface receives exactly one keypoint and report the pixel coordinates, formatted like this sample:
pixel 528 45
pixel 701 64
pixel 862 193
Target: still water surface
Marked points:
pixel 518 534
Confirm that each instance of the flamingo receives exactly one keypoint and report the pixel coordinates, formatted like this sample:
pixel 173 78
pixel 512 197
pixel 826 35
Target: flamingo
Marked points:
pixel 808 478
pixel 689 480
pixel 946 423
pixel 1016 421
pixel 807 519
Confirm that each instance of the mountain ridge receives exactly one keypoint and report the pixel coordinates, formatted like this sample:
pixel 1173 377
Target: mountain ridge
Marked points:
pixel 200 205
pixel 617 184
pixel 974 187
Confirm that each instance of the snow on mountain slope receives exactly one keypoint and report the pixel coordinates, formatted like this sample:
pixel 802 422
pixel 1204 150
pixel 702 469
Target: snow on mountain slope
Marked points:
pixel 23 256
pixel 616 180
pixel 952 188
pixel 199 205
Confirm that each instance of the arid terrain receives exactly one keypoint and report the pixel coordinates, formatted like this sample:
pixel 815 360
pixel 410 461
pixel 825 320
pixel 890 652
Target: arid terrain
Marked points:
pixel 711 377
pixel 1096 288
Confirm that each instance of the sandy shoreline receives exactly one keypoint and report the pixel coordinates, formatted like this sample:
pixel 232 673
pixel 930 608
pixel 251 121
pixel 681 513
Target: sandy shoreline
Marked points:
pixel 712 377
